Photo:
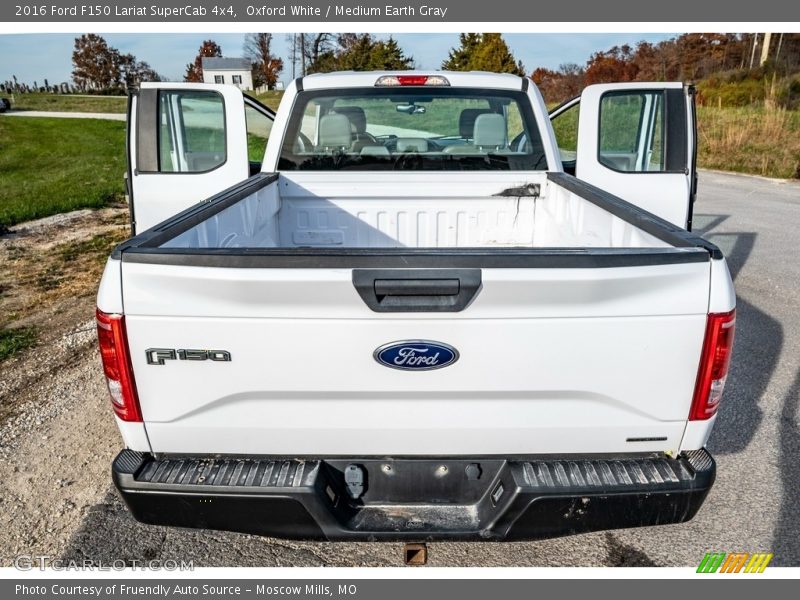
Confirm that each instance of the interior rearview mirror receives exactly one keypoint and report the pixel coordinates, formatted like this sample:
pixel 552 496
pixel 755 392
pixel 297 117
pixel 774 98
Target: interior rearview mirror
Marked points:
pixel 410 109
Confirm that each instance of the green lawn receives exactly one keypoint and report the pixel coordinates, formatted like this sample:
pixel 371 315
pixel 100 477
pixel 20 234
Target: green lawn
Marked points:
pixel 68 103
pixel 50 166
pixel 271 98
pixel 14 340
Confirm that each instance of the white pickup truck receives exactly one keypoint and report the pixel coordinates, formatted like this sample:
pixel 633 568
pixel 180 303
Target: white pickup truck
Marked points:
pixel 414 317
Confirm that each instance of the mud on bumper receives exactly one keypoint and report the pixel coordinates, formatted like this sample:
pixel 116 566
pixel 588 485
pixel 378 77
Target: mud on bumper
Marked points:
pixel 414 499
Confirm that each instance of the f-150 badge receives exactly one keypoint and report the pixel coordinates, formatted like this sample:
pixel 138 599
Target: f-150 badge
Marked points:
pixel 416 355
pixel 159 356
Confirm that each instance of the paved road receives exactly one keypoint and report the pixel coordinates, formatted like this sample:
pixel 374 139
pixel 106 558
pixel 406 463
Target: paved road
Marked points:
pixel 752 507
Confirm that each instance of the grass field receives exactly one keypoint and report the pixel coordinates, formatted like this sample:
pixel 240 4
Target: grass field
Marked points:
pixel 51 166
pixel 750 140
pixel 271 98
pixel 68 103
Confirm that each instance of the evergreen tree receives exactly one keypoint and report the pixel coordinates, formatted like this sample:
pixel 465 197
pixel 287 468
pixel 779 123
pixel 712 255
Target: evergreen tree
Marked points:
pixel 362 52
pixel 459 58
pixel 483 52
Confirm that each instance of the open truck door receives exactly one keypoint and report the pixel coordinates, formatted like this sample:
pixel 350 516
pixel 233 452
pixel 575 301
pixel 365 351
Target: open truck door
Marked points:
pixel 635 140
pixel 187 142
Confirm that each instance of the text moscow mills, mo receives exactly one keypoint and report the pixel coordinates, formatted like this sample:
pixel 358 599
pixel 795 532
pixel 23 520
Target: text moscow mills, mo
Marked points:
pixel 186 590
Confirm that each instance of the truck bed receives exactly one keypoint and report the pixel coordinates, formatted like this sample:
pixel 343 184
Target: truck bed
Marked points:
pixel 564 347
pixel 534 213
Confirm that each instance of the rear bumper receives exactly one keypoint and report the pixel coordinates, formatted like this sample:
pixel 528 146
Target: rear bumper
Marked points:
pixel 414 499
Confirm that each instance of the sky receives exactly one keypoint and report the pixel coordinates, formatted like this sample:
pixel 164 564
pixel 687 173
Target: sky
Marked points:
pixel 35 57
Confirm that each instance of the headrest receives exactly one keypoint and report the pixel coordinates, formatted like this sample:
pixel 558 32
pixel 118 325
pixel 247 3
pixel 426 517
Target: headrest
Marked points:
pixel 466 120
pixel 334 131
pixel 412 145
pixel 490 130
pixel 357 117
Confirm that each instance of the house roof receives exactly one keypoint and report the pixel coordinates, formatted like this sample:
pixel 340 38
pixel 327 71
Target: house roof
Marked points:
pixel 215 63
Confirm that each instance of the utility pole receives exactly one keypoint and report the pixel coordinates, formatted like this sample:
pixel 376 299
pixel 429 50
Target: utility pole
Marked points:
pixel 765 48
pixel 303 54
pixel 778 50
pixel 753 51
pixel 294 55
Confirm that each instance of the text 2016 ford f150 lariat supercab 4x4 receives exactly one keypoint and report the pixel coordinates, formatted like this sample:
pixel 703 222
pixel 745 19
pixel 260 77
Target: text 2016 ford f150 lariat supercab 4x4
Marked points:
pixel 414 317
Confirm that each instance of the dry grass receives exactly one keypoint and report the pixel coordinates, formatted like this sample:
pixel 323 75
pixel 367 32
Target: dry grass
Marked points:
pixel 68 102
pixel 50 267
pixel 753 140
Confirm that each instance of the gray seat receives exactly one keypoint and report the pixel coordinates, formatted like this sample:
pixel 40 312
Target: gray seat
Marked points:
pixel 490 131
pixel 334 132
pixel 466 121
pixel 489 134
pixel 357 116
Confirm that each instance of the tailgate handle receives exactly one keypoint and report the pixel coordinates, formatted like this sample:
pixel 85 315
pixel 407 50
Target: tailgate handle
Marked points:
pixel 416 287
pixel 417 290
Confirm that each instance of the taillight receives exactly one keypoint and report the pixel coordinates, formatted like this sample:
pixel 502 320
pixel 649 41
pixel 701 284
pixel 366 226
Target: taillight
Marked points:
pixel 117 366
pixel 393 80
pixel 714 361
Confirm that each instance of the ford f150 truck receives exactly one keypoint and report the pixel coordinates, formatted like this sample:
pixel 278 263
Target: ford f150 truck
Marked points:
pixel 414 316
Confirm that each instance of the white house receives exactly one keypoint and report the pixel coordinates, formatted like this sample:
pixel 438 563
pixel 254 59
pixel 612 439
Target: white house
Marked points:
pixel 234 71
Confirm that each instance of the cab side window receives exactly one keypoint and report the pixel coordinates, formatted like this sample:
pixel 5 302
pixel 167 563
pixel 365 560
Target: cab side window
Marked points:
pixel 631 134
pixel 191 133
pixel 565 127
pixel 259 127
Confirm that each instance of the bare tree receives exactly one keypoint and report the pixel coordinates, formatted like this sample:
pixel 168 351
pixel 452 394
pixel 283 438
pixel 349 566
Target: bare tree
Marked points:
pixel 315 44
pixel 133 71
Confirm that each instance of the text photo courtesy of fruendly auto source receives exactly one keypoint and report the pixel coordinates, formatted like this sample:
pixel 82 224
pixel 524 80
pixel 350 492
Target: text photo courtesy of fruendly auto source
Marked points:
pixel 365 299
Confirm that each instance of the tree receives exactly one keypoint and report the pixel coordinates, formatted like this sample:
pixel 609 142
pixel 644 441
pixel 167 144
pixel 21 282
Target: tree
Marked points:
pixel 361 52
pixel 388 56
pixel 459 58
pixel 560 85
pixel 612 65
pixel 95 64
pixel 194 70
pixel 483 52
pixel 133 71
pixel 308 48
pixel 315 44
pixel 266 66
pixel 494 55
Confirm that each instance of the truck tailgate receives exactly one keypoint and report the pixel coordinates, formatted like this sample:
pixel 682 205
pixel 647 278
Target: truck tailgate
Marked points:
pixel 551 360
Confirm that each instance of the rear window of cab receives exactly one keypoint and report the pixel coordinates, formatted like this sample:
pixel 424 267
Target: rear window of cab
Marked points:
pixel 414 128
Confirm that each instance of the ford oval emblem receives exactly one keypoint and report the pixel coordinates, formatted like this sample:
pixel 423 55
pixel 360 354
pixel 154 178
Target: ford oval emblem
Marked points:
pixel 416 355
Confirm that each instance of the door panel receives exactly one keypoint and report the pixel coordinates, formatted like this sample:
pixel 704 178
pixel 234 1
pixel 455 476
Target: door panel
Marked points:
pixel 186 142
pixel 637 141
